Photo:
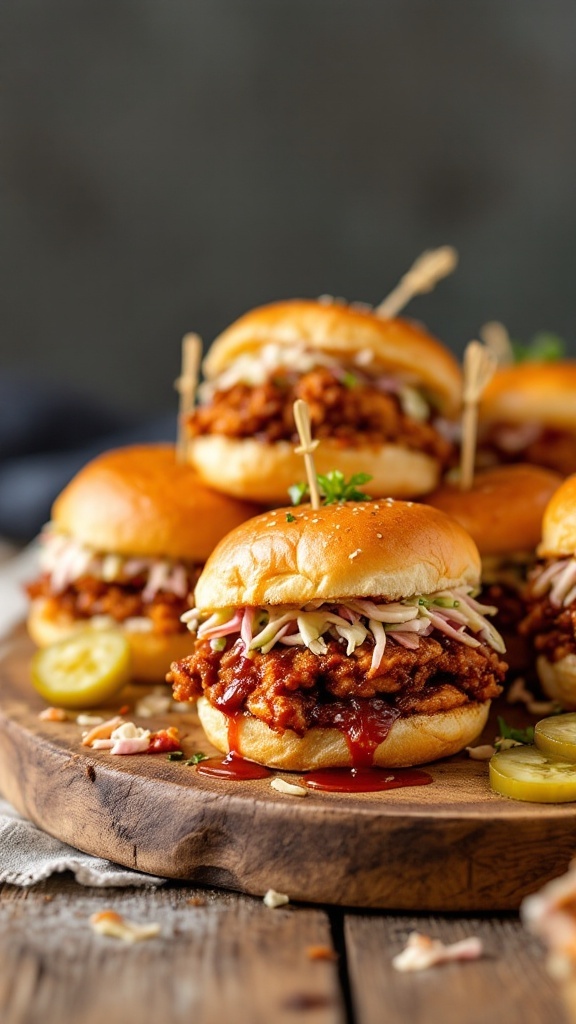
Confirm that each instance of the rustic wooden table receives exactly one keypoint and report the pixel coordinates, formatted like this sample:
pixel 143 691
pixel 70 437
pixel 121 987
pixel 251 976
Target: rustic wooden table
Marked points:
pixel 222 958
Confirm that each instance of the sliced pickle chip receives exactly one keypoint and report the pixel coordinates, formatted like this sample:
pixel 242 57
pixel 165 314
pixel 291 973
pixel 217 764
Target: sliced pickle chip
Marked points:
pixel 557 736
pixel 526 773
pixel 83 670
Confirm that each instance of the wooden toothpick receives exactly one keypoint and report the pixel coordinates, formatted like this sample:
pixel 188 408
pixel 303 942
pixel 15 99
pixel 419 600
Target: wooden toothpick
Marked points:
pixel 423 276
pixel 306 448
pixel 495 335
pixel 479 366
pixel 186 386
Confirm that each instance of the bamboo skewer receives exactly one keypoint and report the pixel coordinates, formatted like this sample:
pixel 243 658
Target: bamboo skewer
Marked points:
pixel 495 335
pixel 187 385
pixel 423 276
pixel 306 448
pixel 479 366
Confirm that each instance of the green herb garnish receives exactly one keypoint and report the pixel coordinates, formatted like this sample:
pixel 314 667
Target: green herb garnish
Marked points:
pixel 334 488
pixel 507 732
pixel 290 518
pixel 349 380
pixel 196 758
pixel 176 755
pixel 545 347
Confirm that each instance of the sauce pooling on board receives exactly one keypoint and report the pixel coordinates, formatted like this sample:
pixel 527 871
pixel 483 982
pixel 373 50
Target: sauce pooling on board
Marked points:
pixel 364 732
pixel 364 780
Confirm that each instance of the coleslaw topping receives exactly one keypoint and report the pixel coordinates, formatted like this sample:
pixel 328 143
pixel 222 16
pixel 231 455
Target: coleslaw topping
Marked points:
pixel 455 613
pixel 65 559
pixel 559 580
pixel 255 369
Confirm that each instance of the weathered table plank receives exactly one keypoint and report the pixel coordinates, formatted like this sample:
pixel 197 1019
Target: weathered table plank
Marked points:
pixel 509 984
pixel 229 959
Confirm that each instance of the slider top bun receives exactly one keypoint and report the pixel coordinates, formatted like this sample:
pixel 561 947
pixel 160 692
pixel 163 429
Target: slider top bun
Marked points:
pixel 387 548
pixel 559 524
pixel 537 392
pixel 140 501
pixel 343 330
pixel 503 509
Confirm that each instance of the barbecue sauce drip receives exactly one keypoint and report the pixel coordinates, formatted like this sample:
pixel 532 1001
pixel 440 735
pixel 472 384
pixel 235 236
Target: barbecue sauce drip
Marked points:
pixel 364 780
pixel 233 767
pixel 365 724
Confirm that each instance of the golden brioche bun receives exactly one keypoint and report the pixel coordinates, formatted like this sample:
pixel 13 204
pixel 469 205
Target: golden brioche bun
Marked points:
pixel 389 548
pixel 503 509
pixel 413 740
pixel 151 653
pixel 532 392
pixel 140 501
pixel 263 472
pixel 558 679
pixel 559 522
pixel 343 330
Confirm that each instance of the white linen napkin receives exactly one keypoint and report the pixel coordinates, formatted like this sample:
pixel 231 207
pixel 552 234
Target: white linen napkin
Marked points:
pixel 28 855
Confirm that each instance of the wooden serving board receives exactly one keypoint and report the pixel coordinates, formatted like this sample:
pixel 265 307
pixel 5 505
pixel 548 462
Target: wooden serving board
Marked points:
pixel 449 846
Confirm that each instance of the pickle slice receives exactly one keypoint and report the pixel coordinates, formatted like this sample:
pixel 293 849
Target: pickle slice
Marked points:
pixel 526 773
pixel 556 736
pixel 83 670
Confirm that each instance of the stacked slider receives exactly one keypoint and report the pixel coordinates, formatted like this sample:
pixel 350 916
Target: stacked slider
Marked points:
pixel 528 414
pixel 502 511
pixel 551 595
pixel 381 394
pixel 347 635
pixel 125 546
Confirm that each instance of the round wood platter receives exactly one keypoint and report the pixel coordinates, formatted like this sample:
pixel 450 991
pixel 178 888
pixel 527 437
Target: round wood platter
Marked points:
pixel 449 846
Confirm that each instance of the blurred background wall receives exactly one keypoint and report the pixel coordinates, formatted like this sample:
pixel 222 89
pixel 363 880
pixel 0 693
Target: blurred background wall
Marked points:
pixel 166 164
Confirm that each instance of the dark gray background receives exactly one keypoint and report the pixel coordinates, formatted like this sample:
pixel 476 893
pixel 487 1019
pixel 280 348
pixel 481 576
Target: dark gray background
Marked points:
pixel 166 164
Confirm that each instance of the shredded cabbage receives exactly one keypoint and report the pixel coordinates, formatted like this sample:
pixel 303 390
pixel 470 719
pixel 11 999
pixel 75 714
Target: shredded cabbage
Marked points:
pixel 559 578
pixel 453 612
pixel 65 560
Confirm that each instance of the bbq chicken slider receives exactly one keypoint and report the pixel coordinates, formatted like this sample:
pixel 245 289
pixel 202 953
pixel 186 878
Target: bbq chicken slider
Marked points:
pixel 343 636
pixel 528 414
pixel 125 546
pixel 551 619
pixel 502 511
pixel 380 393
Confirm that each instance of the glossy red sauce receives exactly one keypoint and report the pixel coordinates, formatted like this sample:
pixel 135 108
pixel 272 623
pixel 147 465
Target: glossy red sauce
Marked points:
pixel 364 780
pixel 232 768
pixel 365 724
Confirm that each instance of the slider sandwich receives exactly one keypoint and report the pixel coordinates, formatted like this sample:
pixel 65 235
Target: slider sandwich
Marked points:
pixel 528 414
pixel 551 597
pixel 381 393
pixel 502 511
pixel 343 636
pixel 126 543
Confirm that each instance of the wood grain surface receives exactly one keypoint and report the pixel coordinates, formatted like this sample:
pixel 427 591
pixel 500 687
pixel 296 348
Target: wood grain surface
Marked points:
pixel 508 984
pixel 450 846
pixel 230 960
pixel 222 958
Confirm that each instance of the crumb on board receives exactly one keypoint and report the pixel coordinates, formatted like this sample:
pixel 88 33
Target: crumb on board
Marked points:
pixel 422 952
pixel 289 788
pixel 53 715
pixel 483 752
pixel 321 953
pixel 275 899
pixel 109 922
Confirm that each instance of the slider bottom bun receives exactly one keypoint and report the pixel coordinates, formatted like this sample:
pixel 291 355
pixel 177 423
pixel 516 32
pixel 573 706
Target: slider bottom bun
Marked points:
pixel 558 679
pixel 264 472
pixel 414 740
pixel 151 653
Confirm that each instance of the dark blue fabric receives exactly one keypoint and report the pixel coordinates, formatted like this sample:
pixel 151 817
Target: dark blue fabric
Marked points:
pixel 47 434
